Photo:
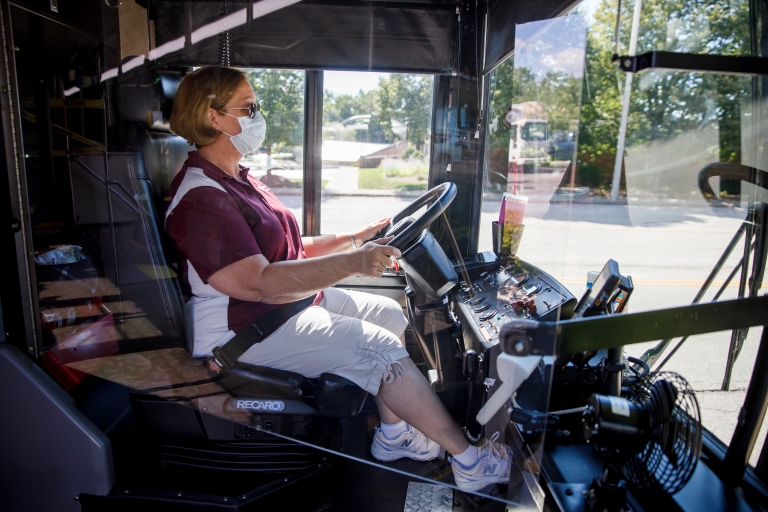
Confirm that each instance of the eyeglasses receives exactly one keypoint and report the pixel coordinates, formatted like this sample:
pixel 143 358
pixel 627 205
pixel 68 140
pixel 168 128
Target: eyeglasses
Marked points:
pixel 252 109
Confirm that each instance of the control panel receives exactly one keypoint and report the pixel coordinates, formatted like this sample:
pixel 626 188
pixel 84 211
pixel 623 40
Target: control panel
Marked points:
pixel 512 289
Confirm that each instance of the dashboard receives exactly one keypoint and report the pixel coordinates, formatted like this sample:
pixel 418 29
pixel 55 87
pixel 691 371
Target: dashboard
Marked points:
pixel 499 291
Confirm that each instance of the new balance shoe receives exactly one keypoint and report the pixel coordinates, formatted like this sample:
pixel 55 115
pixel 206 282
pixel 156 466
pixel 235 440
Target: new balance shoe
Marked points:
pixel 493 465
pixel 411 443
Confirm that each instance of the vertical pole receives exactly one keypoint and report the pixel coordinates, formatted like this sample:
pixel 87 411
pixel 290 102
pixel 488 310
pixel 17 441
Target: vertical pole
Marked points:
pixel 614 383
pixel 750 417
pixel 625 105
pixel 313 151
pixel 110 210
pixel 739 335
pixel 10 117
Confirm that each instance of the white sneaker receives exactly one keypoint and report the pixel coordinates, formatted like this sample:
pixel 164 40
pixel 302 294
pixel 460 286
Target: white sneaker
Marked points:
pixel 411 443
pixel 494 461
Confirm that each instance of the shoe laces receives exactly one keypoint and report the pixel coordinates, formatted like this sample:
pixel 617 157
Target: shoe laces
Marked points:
pixel 415 433
pixel 409 432
pixel 494 449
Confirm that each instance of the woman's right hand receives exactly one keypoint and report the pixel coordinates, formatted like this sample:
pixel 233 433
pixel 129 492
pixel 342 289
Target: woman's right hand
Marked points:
pixel 255 279
pixel 373 258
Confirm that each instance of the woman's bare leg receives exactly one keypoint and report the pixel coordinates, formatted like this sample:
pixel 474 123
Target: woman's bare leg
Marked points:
pixel 411 398
pixel 385 414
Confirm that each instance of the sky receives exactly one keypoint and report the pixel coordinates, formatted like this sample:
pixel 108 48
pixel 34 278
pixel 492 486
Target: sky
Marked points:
pixel 552 46
pixel 351 82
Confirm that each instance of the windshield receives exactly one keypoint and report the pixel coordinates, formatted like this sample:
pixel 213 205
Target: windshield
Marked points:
pixel 672 204
pixel 534 130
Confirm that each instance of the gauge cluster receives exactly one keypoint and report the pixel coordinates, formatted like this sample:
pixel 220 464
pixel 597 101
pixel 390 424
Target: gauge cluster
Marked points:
pixel 506 290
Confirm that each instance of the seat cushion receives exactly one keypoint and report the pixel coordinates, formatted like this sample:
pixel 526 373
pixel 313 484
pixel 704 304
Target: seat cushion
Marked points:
pixel 335 396
pixel 329 394
pixel 246 380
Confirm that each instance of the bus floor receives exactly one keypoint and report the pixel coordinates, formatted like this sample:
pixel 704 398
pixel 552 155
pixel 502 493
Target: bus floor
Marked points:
pixel 364 487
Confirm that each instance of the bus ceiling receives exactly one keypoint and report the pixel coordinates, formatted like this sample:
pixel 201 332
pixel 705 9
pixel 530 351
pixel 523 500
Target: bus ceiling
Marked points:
pixel 416 36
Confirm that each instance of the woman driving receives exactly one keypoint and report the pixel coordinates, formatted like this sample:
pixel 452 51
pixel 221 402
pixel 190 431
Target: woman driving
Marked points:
pixel 245 257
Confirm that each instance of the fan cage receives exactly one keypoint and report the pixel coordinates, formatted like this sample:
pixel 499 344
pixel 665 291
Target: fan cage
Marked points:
pixel 654 471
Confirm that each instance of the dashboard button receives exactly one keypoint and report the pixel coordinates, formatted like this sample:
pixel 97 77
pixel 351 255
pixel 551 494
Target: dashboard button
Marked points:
pixel 515 280
pixel 476 300
pixel 488 314
pixel 527 291
pixel 482 307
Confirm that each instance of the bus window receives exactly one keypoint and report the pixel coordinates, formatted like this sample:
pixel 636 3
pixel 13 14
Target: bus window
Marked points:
pixel 533 98
pixel 663 229
pixel 279 162
pixel 376 130
pixel 534 130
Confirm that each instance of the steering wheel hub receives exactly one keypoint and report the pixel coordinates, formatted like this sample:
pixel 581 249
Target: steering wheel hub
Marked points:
pixel 424 261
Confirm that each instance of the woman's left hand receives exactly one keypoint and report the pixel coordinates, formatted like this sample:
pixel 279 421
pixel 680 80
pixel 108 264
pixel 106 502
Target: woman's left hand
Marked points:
pixel 364 234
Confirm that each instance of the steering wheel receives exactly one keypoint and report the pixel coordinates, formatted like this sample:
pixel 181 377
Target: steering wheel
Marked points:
pixel 405 228
pixel 727 171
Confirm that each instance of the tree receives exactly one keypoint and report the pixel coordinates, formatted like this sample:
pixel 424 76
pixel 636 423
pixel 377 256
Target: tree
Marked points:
pixel 407 98
pixel 547 87
pixel 663 104
pixel 344 106
pixel 281 95
pixel 401 98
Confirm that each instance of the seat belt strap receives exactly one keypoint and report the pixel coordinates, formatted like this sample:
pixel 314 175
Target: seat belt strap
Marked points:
pixel 224 357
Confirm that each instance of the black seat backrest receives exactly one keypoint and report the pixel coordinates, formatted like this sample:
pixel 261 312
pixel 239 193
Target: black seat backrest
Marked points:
pixel 163 155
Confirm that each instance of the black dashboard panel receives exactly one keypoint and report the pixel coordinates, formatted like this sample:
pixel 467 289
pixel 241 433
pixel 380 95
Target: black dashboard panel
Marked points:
pixel 505 290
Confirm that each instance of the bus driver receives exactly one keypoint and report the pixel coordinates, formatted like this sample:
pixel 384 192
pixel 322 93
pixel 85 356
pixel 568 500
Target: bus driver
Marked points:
pixel 245 257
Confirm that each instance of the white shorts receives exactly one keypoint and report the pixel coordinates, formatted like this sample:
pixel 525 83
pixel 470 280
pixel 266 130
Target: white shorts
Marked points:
pixel 350 334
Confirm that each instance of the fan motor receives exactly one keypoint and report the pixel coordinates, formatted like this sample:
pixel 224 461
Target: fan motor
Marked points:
pixel 655 443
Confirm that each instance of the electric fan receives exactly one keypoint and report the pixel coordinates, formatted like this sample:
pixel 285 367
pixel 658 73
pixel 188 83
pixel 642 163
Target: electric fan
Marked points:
pixel 653 444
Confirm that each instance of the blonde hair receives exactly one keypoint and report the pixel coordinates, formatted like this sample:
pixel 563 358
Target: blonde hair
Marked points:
pixel 208 87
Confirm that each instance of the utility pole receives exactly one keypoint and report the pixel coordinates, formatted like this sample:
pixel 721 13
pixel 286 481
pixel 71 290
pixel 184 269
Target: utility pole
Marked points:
pixel 625 105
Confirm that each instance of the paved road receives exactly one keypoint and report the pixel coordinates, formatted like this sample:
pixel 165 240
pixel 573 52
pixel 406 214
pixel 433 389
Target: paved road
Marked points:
pixel 668 252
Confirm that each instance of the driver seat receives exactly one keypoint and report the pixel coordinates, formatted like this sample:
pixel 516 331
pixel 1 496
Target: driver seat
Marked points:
pixel 275 400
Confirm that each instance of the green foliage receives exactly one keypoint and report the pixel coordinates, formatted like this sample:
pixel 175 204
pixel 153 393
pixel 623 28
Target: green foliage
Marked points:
pixel 407 98
pixel 405 169
pixel 374 179
pixel 412 152
pixel 556 93
pixel 663 104
pixel 400 109
pixel 344 106
pixel 281 94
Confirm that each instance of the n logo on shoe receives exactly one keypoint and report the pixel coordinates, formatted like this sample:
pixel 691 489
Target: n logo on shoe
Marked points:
pixel 489 469
pixel 406 443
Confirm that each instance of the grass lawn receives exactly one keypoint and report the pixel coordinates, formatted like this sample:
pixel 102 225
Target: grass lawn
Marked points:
pixel 374 179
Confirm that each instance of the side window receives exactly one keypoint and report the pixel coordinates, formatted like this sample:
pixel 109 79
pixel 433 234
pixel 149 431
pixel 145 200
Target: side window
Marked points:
pixel 376 130
pixel 279 163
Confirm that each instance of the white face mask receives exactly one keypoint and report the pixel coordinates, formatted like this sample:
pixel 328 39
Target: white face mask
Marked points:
pixel 252 133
